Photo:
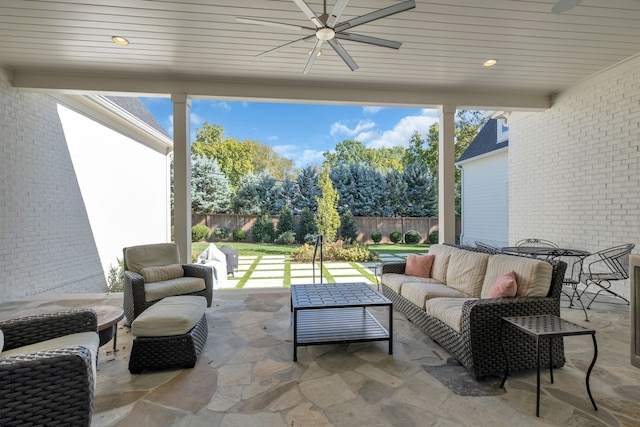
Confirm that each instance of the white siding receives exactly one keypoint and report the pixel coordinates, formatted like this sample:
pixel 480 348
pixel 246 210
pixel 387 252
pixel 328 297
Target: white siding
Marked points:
pixel 574 170
pixel 124 186
pixel 485 210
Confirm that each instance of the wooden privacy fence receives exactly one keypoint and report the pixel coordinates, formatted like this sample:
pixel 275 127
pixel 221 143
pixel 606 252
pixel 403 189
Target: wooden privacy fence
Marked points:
pixel 365 225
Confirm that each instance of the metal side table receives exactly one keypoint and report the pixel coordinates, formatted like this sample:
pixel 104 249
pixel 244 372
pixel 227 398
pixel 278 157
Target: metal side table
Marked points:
pixel 547 326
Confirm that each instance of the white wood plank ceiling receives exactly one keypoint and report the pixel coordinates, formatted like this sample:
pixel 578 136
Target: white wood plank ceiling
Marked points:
pixel 195 43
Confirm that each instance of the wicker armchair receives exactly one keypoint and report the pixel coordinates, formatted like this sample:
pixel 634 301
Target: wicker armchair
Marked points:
pixel 137 291
pixel 50 386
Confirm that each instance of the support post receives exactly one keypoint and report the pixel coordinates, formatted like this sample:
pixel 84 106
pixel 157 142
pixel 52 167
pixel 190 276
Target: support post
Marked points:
pixel 446 178
pixel 182 174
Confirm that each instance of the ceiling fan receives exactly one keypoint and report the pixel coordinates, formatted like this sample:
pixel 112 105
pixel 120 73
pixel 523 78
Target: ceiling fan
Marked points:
pixel 564 6
pixel 326 28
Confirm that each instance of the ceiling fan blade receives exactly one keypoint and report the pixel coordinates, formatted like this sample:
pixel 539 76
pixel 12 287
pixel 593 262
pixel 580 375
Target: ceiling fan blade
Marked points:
pixel 337 10
pixel 309 13
pixel 279 48
pixel 382 13
pixel 369 40
pixel 335 44
pixel 564 6
pixel 272 24
pixel 312 56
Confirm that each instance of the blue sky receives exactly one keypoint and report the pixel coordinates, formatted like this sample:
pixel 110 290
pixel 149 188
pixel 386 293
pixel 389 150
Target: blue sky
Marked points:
pixel 302 132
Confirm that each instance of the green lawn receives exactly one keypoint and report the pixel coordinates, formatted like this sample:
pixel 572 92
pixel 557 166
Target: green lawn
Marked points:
pixel 274 249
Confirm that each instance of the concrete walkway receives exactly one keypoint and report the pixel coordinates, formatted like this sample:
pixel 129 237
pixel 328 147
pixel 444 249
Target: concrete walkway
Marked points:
pixel 276 271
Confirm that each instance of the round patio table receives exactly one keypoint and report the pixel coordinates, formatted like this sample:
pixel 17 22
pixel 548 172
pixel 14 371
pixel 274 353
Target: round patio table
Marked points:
pixel 108 318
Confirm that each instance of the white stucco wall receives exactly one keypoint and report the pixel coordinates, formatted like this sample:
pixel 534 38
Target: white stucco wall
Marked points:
pixel 574 170
pixel 66 211
pixel 124 185
pixel 485 201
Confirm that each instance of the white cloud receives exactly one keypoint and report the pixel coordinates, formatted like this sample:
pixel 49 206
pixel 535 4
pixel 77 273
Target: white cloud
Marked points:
pixel 371 110
pixel 273 138
pixel 340 128
pixel 195 120
pixel 402 131
pixel 300 159
pixel 221 104
pixel 285 150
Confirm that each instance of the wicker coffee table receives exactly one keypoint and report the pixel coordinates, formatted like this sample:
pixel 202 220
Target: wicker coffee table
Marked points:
pixel 335 313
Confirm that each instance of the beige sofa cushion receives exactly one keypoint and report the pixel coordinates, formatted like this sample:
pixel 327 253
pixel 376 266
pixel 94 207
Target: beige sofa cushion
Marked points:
pixel 418 293
pixel 138 257
pixel 162 272
pixel 1 341
pixel 171 316
pixel 449 310
pixel 532 276
pixel 441 261
pixel 180 286
pixel 88 340
pixel 395 280
pixel 466 271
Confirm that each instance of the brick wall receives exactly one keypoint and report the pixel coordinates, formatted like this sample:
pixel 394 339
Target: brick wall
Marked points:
pixel 574 170
pixel 46 242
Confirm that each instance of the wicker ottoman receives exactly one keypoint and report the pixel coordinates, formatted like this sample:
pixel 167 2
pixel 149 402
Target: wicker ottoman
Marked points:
pixel 169 334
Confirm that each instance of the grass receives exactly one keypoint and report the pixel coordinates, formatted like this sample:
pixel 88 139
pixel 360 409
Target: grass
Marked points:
pixel 275 249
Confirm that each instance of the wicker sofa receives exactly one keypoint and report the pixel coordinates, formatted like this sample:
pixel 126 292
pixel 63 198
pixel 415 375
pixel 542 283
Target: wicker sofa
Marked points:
pixel 452 305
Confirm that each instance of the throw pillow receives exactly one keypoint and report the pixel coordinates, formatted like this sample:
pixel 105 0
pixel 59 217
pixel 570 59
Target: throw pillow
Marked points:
pixel 504 286
pixel 162 272
pixel 419 265
pixel 1 340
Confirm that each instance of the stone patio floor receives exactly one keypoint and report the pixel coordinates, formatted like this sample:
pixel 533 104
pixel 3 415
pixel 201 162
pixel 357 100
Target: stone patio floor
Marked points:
pixel 246 376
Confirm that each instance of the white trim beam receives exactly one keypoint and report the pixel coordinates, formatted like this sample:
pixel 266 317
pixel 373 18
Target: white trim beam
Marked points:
pixel 446 175
pixel 182 174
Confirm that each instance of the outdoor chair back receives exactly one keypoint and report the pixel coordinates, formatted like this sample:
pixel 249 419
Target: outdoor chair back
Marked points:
pixel 487 247
pixel 607 266
pixel 538 243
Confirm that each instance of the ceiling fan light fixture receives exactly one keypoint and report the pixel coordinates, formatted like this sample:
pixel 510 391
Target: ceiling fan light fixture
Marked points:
pixel 120 40
pixel 325 34
pixel 317 54
pixel 490 62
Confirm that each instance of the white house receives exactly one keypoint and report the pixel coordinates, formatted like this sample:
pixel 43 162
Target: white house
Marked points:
pixel 82 177
pixel 485 186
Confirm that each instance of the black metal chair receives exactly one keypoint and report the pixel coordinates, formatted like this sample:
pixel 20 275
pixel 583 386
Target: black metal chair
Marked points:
pixel 537 243
pixel 572 278
pixel 487 247
pixel 610 265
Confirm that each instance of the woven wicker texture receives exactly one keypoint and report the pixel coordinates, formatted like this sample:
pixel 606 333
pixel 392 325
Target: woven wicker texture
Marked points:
pixel 180 351
pixel 478 346
pixel 47 388
pixel 134 291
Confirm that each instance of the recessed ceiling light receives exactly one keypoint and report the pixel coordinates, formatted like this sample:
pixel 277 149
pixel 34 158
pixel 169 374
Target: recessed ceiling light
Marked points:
pixel 120 40
pixel 490 62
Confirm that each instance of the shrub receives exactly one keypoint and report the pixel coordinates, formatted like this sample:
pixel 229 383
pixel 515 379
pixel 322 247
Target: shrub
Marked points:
pixel 307 224
pixel 115 278
pixel 221 233
pixel 263 228
pixel 286 238
pixel 412 237
pixel 376 236
pixel 433 237
pixel 395 236
pixel 239 235
pixel 285 221
pixel 348 228
pixel 334 251
pixel 200 233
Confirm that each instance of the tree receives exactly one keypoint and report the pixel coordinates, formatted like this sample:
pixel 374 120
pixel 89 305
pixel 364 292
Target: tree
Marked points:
pixel 395 189
pixel 210 190
pixel 263 228
pixel 285 221
pixel 351 152
pixel 265 159
pixel 360 187
pixel 307 224
pixel 420 193
pixel 348 228
pixel 308 190
pixel 327 218
pixel 247 200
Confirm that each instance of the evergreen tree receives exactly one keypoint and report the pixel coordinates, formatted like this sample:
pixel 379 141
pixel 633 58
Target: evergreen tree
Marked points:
pixel 285 221
pixel 308 190
pixel 307 224
pixel 210 190
pixel 348 228
pixel 327 218
pixel 263 228
pixel 420 195
pixel 247 200
pixel 395 202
